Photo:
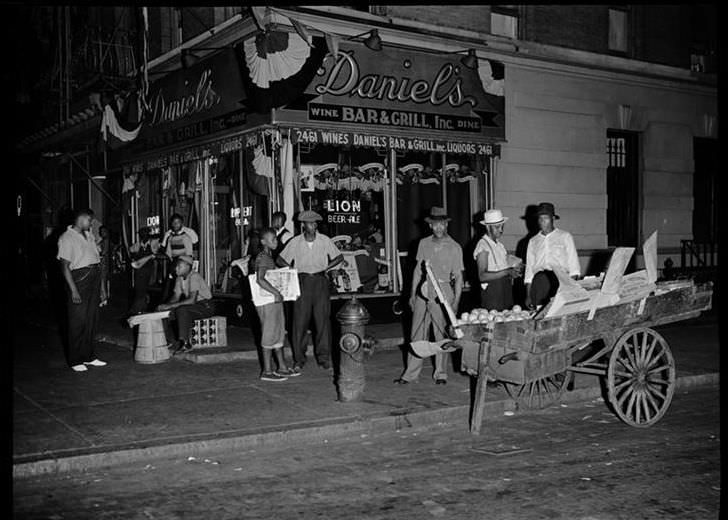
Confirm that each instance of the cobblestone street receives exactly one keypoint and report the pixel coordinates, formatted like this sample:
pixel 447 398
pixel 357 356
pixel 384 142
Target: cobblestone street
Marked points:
pixel 580 463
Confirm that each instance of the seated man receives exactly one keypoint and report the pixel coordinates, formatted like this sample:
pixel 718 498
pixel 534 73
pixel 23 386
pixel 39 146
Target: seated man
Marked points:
pixel 191 300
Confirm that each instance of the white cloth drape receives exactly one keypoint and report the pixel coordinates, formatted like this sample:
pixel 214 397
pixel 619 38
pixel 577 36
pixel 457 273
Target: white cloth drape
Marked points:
pixel 287 179
pixel 109 124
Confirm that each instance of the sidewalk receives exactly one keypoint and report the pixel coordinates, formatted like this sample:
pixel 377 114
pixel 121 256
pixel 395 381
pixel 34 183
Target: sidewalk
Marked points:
pixel 131 410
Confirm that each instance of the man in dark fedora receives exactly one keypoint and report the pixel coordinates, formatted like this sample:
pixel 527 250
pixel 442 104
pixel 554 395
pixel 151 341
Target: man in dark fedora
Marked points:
pixel 548 249
pixel 446 260
pixel 312 254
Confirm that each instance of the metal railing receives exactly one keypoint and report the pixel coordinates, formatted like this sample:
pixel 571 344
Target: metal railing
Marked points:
pixel 700 255
pixel 107 54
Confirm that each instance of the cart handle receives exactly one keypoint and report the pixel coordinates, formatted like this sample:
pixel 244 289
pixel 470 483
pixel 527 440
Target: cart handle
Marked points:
pixel 508 357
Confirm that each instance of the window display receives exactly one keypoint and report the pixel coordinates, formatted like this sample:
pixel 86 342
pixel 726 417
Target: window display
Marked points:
pixel 347 188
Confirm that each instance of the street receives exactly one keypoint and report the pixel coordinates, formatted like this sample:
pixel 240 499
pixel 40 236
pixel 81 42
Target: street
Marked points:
pixel 573 461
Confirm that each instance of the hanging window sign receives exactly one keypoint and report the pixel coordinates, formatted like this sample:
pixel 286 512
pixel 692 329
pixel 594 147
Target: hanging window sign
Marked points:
pixel 407 89
pixel 343 211
pixel 153 224
pixel 408 144
pixel 235 214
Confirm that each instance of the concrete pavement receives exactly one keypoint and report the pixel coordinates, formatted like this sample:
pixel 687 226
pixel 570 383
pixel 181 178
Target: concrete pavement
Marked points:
pixel 577 462
pixel 65 420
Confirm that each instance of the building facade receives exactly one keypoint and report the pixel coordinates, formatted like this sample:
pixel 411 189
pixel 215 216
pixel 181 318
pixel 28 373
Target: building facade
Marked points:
pixel 608 112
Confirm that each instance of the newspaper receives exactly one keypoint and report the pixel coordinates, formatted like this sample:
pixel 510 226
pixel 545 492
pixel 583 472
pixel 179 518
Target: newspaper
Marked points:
pixel 284 279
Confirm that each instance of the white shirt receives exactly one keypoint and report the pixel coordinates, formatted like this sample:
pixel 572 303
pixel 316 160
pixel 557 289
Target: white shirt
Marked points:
pixel 546 251
pixel 497 254
pixel 79 250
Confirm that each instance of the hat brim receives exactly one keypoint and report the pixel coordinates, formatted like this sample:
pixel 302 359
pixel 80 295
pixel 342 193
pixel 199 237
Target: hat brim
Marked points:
pixel 310 219
pixel 484 223
pixel 539 213
pixel 437 219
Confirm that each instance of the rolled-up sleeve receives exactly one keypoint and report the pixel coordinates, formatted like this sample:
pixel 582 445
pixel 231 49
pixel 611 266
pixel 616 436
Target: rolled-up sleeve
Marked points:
pixel 572 256
pixel 65 249
pixel 287 253
pixel 530 259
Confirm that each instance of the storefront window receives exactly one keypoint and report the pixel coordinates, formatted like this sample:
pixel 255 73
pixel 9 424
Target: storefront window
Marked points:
pixel 347 188
pixel 230 217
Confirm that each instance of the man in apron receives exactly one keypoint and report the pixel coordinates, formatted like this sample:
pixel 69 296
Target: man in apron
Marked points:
pixel 495 272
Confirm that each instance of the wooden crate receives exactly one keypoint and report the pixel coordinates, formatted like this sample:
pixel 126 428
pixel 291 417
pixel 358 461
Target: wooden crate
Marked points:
pixel 209 332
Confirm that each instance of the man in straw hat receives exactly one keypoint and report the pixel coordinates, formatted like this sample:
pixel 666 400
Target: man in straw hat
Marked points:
pixel 496 270
pixel 549 248
pixel 312 254
pixel 446 260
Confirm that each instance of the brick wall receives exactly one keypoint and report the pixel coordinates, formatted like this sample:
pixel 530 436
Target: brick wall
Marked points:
pixel 582 27
pixel 468 17
pixel 666 34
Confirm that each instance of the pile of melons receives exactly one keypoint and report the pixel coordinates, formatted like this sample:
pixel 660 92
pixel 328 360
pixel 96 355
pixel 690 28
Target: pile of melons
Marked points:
pixel 484 316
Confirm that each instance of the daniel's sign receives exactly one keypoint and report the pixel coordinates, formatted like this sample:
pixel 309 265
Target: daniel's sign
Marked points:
pixel 407 89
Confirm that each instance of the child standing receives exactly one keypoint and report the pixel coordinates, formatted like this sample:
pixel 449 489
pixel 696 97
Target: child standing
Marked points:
pixel 272 319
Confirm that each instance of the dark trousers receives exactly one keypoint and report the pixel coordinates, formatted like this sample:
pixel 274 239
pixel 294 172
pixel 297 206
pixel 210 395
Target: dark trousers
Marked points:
pixel 83 317
pixel 314 300
pixel 543 287
pixel 185 315
pixel 142 279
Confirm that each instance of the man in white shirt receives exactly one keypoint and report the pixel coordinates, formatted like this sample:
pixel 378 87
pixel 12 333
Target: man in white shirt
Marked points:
pixel 549 248
pixel 312 254
pixel 81 267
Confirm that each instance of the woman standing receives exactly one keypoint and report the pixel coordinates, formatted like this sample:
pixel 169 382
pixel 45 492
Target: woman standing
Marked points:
pixel 494 272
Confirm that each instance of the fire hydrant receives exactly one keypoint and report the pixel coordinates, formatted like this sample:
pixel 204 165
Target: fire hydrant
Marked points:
pixel 353 318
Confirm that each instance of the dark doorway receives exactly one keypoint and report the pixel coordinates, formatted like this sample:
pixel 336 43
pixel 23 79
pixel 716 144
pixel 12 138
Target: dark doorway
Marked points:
pixel 623 188
pixel 705 186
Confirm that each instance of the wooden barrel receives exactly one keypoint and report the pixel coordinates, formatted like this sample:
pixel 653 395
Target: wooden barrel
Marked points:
pixel 151 343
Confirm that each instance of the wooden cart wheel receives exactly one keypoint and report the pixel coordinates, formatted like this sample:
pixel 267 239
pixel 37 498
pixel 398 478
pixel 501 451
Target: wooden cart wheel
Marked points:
pixel 641 377
pixel 540 393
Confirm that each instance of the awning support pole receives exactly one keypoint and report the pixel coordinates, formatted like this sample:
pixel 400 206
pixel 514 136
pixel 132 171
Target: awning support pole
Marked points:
pixel 98 186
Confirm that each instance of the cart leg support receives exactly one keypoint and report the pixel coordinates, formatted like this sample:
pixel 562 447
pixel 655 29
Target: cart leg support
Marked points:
pixel 476 420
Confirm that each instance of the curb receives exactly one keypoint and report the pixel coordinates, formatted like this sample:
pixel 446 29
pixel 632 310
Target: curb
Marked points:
pixel 396 421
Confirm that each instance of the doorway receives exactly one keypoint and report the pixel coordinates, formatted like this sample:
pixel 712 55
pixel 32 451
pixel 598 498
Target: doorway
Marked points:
pixel 623 188
pixel 705 187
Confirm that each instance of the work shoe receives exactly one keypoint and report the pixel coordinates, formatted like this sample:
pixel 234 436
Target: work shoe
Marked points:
pixel 440 381
pixel 79 368
pixel 96 363
pixel 400 381
pixel 272 376
pixel 326 365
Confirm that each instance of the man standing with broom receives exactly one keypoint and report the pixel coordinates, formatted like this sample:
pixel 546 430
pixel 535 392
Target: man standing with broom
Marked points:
pixel 446 261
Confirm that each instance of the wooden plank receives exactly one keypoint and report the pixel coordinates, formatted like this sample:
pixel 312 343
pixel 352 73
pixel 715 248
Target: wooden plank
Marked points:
pixel 476 420
pixel 450 313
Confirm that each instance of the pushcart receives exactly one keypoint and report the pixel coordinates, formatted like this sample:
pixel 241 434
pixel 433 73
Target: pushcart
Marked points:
pixel 534 359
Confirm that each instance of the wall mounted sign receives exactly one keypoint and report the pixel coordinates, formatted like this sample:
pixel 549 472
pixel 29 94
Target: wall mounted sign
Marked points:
pixel 195 153
pixel 194 102
pixel 416 144
pixel 404 88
